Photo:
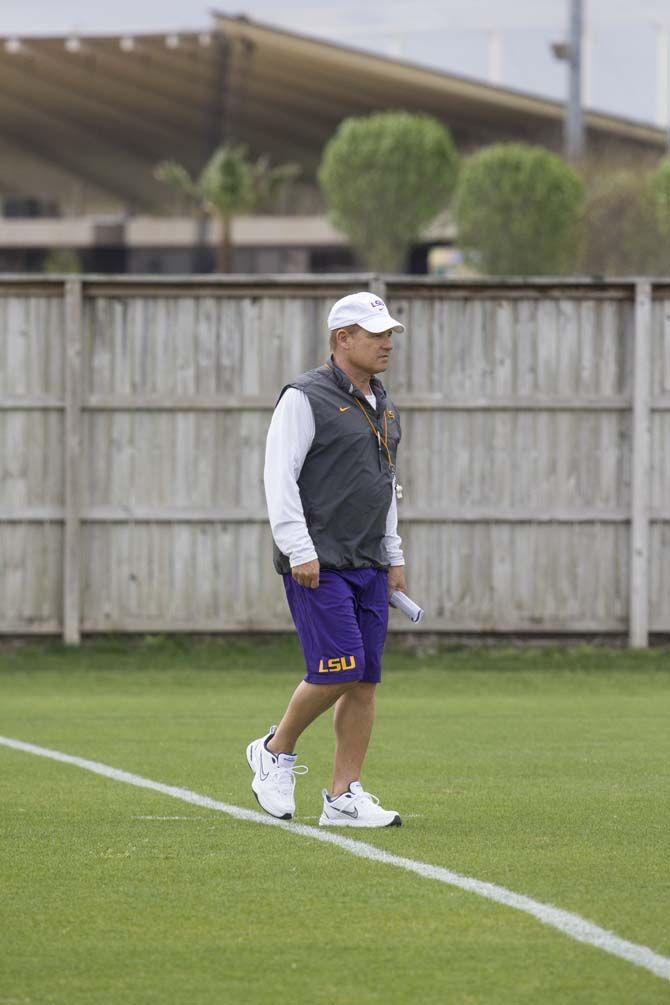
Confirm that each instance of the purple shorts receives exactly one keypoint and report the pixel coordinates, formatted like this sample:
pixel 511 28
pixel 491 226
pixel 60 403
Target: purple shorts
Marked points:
pixel 342 624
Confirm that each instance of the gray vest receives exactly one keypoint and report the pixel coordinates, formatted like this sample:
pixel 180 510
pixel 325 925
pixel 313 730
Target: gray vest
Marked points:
pixel 346 482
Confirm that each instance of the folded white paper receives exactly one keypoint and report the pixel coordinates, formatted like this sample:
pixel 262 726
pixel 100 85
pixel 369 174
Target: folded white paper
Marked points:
pixel 407 606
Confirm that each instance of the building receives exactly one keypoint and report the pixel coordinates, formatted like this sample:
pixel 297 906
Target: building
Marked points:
pixel 84 121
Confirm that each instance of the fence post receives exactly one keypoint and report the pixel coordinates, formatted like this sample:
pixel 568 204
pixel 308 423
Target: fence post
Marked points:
pixel 72 462
pixel 640 475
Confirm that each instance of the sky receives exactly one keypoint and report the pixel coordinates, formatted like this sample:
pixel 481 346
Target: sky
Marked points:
pixel 457 36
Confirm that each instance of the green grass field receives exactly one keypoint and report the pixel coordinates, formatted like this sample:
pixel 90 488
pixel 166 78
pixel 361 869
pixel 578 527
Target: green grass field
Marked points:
pixel 546 771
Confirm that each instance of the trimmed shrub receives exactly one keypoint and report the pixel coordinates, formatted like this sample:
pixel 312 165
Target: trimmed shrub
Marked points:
pixel 518 211
pixel 384 178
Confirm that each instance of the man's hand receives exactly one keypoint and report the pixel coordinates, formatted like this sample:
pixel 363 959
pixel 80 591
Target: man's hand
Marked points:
pixel 397 579
pixel 307 574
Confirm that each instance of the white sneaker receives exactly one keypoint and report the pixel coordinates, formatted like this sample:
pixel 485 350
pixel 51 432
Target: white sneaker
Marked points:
pixel 356 808
pixel 274 777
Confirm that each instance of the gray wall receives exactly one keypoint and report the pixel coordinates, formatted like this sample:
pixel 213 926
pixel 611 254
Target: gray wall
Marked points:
pixel 133 413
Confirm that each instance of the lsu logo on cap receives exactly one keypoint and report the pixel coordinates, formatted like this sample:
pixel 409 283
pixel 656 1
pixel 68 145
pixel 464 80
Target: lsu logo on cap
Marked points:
pixel 377 304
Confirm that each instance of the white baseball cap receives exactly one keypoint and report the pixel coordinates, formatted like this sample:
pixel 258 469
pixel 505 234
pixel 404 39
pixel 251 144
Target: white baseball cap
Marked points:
pixel 364 309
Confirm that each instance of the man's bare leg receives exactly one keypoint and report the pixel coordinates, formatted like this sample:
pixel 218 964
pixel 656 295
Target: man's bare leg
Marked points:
pixel 306 705
pixel 354 715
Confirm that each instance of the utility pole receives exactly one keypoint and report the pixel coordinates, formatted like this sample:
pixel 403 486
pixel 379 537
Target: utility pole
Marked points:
pixel 663 78
pixel 587 55
pixel 495 57
pixel 571 53
pixel 574 123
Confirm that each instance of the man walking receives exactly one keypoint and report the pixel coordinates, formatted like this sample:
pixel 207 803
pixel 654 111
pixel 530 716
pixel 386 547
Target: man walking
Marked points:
pixel 331 495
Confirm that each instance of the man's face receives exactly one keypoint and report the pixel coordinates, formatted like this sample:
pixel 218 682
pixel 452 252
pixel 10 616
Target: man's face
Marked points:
pixel 368 351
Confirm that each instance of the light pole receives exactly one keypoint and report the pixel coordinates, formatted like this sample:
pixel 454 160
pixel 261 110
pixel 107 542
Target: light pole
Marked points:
pixel 574 124
pixel 495 38
pixel 663 78
pixel 571 53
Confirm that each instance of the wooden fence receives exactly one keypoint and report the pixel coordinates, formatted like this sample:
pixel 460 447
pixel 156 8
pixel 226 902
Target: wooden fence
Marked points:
pixel 535 459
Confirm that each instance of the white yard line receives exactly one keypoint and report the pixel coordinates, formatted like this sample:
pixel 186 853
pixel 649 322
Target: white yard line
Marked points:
pixel 167 818
pixel 572 925
pixel 405 816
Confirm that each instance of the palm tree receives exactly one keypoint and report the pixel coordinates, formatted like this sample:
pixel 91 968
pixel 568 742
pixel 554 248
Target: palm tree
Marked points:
pixel 230 185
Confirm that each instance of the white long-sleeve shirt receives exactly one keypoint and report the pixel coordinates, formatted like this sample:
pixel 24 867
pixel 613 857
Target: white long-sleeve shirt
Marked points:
pixel 290 436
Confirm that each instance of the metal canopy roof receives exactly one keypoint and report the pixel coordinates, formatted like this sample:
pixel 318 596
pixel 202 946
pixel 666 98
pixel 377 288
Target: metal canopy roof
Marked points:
pixel 103 110
pixel 329 82
pixel 107 109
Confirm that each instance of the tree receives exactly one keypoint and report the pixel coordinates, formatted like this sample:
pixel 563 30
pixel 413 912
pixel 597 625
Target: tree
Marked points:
pixel 619 234
pixel 384 177
pixel 518 211
pixel 62 260
pixel 626 217
pixel 230 185
pixel 656 202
